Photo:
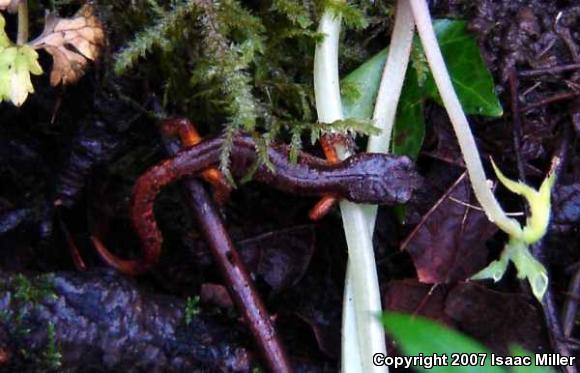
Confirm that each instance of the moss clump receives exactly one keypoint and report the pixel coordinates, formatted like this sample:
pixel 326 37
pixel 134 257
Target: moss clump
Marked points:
pixel 232 65
pixel 27 296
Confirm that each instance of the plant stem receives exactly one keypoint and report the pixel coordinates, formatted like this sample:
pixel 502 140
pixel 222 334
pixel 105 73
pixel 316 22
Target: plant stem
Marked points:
pixel 326 82
pixel 384 116
pixel 391 86
pixel 465 138
pixel 366 299
pixel 393 78
pixel 22 35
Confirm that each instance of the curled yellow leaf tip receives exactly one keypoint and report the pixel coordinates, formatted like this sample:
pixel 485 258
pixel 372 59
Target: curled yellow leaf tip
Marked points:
pixel 517 248
pixel 538 200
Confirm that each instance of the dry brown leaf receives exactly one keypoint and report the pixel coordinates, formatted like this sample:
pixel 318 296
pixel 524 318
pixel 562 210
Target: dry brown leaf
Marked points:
pixel 72 42
pixel 11 5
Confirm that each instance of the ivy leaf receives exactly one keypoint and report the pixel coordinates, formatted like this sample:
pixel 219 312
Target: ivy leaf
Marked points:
pixel 360 87
pixel 469 74
pixel 416 335
pixel 409 129
pixel 71 42
pixel 472 80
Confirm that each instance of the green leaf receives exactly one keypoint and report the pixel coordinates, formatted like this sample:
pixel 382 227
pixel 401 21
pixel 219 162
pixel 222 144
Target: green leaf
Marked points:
pixel 16 65
pixel 362 86
pixel 4 40
pixel 473 82
pixel 409 129
pixel 518 351
pixel 469 74
pixel 416 335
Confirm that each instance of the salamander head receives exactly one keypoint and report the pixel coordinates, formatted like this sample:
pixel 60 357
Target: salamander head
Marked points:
pixel 381 178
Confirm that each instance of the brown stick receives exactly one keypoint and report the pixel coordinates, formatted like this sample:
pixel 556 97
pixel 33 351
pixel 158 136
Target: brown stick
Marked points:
pixel 554 326
pixel 235 274
pixel 71 245
pixel 517 132
pixel 550 100
pixel 516 122
pixel 549 70
pixel 570 307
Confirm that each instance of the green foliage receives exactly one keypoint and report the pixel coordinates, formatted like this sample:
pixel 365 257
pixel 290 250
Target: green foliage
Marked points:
pixel 228 67
pixel 409 129
pixel 364 82
pixel 416 335
pixel 155 35
pixel 294 11
pixel 471 78
pixel 419 61
pixel 518 351
pixel 191 309
pixel 351 16
pixel 224 65
pixel 52 355
pixel 27 296
pixel 351 126
pixel 16 65
pixel 517 248
pixel 25 292
pixel 4 40
pixel 469 74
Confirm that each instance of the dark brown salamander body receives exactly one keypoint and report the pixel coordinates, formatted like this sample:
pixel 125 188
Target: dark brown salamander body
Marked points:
pixel 363 178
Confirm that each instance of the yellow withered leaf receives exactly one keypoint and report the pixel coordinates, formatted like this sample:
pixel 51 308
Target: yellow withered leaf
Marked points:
pixel 72 42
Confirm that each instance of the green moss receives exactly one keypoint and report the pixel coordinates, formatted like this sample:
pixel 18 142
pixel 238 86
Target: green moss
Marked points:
pixel 232 65
pixel 52 358
pixel 191 309
pixel 27 295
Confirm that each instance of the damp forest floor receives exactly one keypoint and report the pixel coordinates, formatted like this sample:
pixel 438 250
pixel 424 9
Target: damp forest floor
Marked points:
pixel 70 156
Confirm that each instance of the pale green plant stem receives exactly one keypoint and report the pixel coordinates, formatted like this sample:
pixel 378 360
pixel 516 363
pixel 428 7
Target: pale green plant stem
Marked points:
pixel 391 86
pixel 393 78
pixel 465 138
pixel 22 35
pixel 384 116
pixel 365 290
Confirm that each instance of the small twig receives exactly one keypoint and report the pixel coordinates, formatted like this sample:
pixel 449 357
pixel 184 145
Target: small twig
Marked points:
pixel 474 207
pixel 549 70
pixel 550 100
pixel 557 337
pixel 566 36
pixel 425 299
pixel 555 332
pixel 517 123
pixel 435 206
pixel 571 305
pixel 238 280
pixel 71 245
pixel 517 127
